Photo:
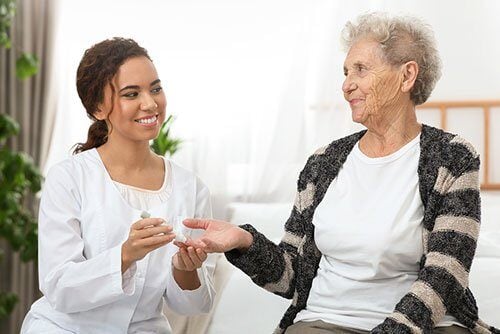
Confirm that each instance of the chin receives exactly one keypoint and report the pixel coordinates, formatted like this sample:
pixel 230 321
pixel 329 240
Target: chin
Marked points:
pixel 358 116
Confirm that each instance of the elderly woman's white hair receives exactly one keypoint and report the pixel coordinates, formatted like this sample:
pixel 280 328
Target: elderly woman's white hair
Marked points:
pixel 402 39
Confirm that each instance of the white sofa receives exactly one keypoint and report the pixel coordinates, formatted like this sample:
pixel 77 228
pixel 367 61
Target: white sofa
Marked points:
pixel 243 307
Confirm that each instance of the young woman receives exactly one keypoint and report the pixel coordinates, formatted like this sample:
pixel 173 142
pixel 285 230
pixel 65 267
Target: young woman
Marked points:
pixel 106 258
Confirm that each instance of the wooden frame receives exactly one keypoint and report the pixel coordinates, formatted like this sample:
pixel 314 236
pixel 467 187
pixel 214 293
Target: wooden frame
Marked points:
pixel 486 106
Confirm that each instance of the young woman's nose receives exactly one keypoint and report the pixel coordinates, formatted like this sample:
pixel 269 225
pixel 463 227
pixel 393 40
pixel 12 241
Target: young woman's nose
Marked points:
pixel 148 103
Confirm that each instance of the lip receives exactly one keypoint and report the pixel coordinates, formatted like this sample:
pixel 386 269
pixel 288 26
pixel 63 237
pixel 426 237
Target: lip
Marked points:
pixel 152 124
pixel 354 102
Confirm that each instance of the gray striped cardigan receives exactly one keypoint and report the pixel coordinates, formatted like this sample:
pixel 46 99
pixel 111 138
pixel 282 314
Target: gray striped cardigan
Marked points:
pixel 449 188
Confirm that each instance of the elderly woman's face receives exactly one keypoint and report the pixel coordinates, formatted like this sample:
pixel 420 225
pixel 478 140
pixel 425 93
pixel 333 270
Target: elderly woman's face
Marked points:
pixel 371 85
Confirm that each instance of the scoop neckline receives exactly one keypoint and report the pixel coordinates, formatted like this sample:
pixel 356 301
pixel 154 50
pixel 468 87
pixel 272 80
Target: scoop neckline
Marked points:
pixel 163 187
pixel 388 158
pixel 110 181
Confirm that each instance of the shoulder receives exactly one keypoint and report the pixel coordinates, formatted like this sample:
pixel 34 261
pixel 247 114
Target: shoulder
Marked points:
pixel 181 175
pixel 448 150
pixel 342 145
pixel 337 148
pixel 70 171
pixel 66 167
pixel 331 156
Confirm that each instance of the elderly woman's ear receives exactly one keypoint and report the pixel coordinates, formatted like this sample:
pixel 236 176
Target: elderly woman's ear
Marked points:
pixel 410 73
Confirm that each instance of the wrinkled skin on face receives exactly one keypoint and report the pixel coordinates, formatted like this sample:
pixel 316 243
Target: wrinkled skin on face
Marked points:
pixel 379 96
pixel 372 86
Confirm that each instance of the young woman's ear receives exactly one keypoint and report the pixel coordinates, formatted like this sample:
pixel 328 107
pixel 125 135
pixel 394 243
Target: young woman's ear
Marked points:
pixel 100 114
pixel 410 72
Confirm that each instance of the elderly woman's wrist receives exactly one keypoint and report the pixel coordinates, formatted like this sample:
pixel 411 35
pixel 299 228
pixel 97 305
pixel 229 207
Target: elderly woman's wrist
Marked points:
pixel 246 240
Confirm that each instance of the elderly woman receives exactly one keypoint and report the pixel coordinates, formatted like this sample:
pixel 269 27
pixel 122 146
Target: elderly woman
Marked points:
pixel 384 227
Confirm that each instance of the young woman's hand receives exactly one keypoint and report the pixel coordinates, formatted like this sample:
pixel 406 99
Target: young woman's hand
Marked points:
pixel 219 236
pixel 189 258
pixel 145 236
pixel 185 262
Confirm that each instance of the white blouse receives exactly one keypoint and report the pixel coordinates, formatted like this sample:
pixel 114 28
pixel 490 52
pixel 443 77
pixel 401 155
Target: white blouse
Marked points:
pixel 144 199
pixel 83 221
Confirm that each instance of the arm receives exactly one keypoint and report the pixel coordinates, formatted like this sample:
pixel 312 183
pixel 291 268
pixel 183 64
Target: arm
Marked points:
pixel 192 291
pixel 273 266
pixel 70 280
pixel 66 275
pixel 442 284
pixel 269 265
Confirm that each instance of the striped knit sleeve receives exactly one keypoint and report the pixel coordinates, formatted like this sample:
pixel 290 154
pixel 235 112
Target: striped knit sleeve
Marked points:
pixel 273 266
pixel 442 284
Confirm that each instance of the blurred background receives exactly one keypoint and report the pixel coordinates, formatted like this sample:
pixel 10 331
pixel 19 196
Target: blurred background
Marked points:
pixel 254 88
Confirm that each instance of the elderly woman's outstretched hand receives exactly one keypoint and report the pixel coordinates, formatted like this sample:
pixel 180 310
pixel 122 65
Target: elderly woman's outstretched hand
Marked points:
pixel 219 236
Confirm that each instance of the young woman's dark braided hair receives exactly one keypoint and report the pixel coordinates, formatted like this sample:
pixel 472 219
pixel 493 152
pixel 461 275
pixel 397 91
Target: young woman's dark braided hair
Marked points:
pixel 97 68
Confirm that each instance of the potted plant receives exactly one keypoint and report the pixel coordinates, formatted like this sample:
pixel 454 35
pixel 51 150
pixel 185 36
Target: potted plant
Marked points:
pixel 19 178
pixel 164 144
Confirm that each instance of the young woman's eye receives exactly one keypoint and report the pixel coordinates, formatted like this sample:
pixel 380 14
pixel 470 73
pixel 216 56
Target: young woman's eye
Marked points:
pixel 130 95
pixel 156 90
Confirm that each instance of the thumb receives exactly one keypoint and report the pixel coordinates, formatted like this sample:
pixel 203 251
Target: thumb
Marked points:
pixel 211 247
pixel 200 224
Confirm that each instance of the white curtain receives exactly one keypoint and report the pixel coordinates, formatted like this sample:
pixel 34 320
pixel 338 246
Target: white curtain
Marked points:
pixel 255 85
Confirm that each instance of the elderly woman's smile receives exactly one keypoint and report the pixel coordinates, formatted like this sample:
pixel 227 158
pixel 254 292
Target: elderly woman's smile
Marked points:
pixel 372 86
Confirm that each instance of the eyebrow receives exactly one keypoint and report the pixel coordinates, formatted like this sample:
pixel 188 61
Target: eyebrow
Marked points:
pixel 137 87
pixel 356 64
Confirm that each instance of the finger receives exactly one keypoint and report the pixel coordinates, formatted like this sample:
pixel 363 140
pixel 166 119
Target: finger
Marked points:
pixel 196 243
pixel 180 244
pixel 193 256
pixel 153 247
pixel 201 254
pixel 178 262
pixel 155 240
pixel 202 224
pixel 148 232
pixel 186 259
pixel 140 224
pixel 210 246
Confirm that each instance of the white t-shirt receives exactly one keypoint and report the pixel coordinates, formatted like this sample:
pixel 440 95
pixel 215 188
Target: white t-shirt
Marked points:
pixel 369 229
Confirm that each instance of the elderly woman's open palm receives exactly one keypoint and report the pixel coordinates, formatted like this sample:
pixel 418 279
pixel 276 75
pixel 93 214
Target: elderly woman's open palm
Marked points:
pixel 219 236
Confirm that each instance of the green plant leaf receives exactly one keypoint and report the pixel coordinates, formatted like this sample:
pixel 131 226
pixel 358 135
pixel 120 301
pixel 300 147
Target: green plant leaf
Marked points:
pixel 163 143
pixel 26 65
pixel 7 303
pixel 7 11
pixel 5 40
pixel 8 127
pixel 18 173
pixel 18 176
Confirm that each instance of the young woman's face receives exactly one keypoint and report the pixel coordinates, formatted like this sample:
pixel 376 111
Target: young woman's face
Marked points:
pixel 139 102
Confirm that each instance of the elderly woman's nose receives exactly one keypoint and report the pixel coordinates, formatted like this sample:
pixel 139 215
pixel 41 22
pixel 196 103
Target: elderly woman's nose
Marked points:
pixel 348 85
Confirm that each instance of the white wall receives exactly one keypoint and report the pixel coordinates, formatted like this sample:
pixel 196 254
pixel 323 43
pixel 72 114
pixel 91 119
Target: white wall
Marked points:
pixel 232 71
